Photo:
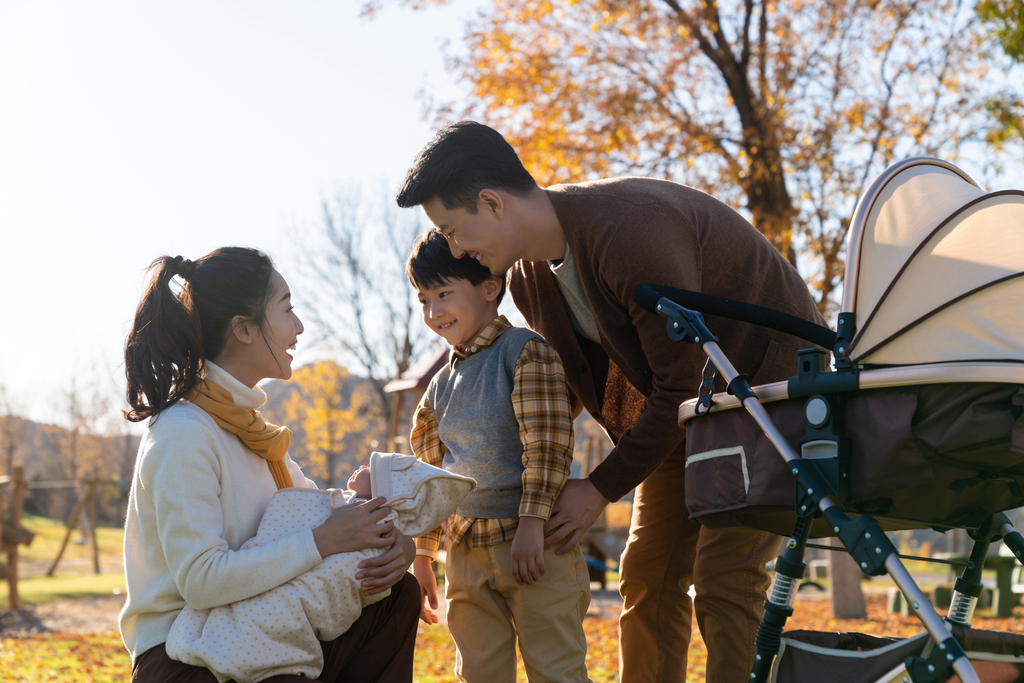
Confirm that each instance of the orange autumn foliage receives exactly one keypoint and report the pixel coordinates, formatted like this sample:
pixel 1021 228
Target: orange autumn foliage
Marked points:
pixel 785 109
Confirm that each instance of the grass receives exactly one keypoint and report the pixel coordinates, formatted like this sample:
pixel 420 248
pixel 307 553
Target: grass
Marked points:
pixel 74 577
pixel 70 657
pixel 44 589
pixel 50 534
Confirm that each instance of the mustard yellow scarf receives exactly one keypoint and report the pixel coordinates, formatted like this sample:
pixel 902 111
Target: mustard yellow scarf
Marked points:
pixel 266 440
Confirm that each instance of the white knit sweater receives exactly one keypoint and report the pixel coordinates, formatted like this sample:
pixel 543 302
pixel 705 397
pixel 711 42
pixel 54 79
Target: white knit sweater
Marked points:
pixel 198 493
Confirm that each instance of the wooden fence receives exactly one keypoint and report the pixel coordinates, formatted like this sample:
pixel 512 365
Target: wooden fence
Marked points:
pixel 12 534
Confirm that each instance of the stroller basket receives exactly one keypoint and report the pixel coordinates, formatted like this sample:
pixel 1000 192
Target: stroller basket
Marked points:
pixel 919 425
pixel 858 658
pixel 934 455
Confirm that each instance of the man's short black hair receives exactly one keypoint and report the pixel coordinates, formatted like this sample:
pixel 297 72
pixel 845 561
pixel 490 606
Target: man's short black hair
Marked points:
pixel 431 264
pixel 462 159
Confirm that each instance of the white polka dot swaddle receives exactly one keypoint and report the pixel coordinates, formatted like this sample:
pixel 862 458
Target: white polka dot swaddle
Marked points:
pixel 277 632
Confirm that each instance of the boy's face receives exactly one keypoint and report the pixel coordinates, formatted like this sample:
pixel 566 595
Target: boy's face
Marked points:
pixel 484 235
pixel 458 310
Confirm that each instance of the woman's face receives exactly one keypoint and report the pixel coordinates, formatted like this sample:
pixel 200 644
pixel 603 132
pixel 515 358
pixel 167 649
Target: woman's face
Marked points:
pixel 281 330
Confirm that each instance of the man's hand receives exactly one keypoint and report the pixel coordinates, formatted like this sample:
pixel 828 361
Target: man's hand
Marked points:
pixel 528 551
pixel 574 512
pixel 424 574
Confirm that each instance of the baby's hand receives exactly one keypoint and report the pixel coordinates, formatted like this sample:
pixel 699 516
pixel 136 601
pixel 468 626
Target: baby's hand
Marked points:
pixel 528 551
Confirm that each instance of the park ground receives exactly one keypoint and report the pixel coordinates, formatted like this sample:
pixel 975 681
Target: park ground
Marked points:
pixel 67 629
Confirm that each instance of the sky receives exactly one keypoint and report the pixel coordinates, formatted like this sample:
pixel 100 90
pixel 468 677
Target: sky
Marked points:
pixel 130 130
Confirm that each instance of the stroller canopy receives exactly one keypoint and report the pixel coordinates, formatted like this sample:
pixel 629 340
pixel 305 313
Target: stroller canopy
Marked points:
pixel 934 269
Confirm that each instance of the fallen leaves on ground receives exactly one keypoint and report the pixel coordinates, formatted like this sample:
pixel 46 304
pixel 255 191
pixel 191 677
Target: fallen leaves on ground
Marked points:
pixel 64 657
pixel 435 653
pixel 100 657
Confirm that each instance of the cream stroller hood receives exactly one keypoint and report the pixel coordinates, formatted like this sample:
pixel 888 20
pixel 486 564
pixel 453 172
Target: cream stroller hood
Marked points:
pixel 934 269
pixel 420 495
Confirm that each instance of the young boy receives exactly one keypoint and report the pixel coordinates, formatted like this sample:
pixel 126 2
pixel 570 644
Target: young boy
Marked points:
pixel 498 412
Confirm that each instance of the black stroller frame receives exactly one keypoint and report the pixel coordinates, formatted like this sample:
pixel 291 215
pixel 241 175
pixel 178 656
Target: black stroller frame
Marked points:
pixel 821 479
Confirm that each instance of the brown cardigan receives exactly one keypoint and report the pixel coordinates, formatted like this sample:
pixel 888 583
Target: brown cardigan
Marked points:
pixel 626 231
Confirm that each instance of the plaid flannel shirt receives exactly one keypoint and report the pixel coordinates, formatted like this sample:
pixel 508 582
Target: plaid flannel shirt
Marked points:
pixel 540 400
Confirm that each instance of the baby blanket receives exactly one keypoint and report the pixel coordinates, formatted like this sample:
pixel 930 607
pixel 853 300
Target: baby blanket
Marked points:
pixel 277 632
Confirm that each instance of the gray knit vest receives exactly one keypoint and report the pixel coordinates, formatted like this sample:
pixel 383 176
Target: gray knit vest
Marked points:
pixel 476 423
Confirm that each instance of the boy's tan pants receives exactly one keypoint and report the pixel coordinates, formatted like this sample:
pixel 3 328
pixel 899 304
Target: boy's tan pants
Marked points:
pixel 666 553
pixel 487 609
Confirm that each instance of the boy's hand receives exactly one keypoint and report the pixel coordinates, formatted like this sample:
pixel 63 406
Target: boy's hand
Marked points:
pixel 424 574
pixel 528 551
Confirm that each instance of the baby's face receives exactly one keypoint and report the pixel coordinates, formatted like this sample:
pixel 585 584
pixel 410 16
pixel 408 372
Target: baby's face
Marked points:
pixel 360 482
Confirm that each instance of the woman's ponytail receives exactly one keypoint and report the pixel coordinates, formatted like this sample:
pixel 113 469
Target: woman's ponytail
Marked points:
pixel 164 350
pixel 174 333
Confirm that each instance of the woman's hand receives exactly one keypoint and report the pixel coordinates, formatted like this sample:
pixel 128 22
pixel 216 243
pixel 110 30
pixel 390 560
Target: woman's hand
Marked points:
pixel 384 571
pixel 356 526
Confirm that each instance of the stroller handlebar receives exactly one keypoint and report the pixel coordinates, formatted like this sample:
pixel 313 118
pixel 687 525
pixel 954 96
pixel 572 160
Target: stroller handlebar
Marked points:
pixel 647 295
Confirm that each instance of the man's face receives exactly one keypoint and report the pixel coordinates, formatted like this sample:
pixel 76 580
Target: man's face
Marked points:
pixel 483 235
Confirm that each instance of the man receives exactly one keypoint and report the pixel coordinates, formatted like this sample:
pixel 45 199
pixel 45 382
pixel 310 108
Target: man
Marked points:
pixel 576 253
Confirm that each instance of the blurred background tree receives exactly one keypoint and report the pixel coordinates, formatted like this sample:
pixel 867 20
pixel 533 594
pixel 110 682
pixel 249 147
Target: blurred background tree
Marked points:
pixel 1006 17
pixel 10 431
pixel 333 417
pixel 784 109
pixel 352 270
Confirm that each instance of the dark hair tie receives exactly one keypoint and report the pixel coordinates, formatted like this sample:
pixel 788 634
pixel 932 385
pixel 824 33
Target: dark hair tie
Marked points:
pixel 183 267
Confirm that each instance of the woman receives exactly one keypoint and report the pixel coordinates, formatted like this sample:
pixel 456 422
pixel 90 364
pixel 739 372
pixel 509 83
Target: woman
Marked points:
pixel 208 464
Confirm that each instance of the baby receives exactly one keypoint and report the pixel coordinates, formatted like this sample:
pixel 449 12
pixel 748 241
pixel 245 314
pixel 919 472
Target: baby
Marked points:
pixel 278 632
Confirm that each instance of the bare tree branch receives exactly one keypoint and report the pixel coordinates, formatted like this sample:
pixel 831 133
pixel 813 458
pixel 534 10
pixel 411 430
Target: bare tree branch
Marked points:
pixel 353 267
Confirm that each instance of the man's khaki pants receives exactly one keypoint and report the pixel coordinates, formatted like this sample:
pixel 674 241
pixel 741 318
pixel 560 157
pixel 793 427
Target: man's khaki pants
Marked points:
pixel 487 609
pixel 665 554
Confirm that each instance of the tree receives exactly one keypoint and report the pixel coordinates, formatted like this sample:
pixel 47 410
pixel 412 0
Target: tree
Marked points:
pixel 783 109
pixel 85 453
pixel 10 431
pixel 85 450
pixel 329 413
pixel 354 265
pixel 1007 111
pixel 1008 18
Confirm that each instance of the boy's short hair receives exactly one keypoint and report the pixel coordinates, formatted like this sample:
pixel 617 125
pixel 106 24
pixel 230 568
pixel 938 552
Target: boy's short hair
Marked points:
pixel 431 264
pixel 462 159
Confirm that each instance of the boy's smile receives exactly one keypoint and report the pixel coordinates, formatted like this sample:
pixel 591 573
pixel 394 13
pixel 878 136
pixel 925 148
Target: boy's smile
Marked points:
pixel 458 311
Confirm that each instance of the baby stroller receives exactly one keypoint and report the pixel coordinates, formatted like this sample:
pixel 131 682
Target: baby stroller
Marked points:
pixel 919 424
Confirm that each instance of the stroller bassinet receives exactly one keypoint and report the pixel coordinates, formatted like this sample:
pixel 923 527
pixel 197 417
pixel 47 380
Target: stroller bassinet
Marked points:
pixel 920 424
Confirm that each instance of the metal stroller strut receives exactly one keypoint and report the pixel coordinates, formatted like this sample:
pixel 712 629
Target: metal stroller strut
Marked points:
pixel 863 537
